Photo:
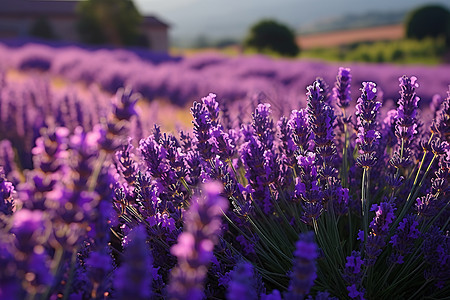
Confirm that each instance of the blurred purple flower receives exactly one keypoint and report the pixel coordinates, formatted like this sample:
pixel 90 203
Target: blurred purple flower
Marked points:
pixel 242 284
pixel 133 279
pixel 304 267
pixel 7 192
pixel 196 243
pixel 341 89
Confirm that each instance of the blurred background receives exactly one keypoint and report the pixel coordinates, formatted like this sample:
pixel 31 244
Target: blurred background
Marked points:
pixel 407 31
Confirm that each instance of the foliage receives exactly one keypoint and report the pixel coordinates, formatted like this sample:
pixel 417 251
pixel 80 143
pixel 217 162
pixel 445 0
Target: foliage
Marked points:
pixel 428 21
pixel 410 51
pixel 42 29
pixel 113 22
pixel 273 36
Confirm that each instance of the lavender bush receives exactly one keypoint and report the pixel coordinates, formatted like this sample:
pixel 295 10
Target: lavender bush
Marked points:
pixel 183 80
pixel 328 203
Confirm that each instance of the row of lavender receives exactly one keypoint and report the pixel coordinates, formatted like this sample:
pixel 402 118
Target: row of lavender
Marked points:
pixel 182 80
pixel 321 204
pixel 32 102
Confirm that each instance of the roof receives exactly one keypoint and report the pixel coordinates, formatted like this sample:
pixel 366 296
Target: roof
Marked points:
pixel 39 8
pixel 26 8
pixel 152 21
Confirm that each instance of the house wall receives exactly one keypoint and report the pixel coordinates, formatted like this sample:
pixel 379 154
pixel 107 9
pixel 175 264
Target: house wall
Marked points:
pixel 158 38
pixel 64 28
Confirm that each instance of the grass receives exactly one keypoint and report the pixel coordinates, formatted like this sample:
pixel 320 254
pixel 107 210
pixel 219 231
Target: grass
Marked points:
pixel 428 51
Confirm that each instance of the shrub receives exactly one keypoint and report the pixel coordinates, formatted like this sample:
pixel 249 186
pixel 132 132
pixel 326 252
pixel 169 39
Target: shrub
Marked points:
pixel 428 21
pixel 272 36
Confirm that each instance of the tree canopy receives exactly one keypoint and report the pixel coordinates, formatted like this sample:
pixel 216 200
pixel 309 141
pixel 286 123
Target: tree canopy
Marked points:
pixel 428 21
pixel 114 22
pixel 269 35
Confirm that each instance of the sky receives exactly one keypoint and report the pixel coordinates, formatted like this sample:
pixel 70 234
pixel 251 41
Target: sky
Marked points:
pixel 216 19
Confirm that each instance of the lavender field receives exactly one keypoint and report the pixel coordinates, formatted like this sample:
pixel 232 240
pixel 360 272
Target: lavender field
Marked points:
pixel 277 179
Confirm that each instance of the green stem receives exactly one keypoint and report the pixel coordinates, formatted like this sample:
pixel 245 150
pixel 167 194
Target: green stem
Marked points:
pixel 344 154
pixel 92 182
pixel 365 202
pixel 422 161
pixel 423 285
pixel 412 195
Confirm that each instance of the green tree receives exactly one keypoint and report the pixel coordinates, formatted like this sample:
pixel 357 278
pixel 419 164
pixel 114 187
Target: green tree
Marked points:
pixel 42 29
pixel 428 21
pixel 269 35
pixel 114 22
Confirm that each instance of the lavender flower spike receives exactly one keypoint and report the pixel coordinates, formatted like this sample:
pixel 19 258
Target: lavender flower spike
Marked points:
pixel 341 90
pixel 368 135
pixel 407 110
pixel 403 241
pixel 6 195
pixel 242 284
pixel 194 249
pixel 304 269
pixel 134 278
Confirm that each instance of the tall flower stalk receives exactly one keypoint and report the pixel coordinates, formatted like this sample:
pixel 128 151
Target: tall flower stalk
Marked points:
pixel 368 139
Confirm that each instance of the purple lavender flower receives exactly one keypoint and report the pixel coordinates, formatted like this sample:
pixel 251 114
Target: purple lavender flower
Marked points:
pixel 124 103
pixel 263 125
pixel 253 158
pixel 223 143
pixel 126 163
pixel 406 124
pixel 134 278
pixel 368 135
pixel 213 108
pixel 196 243
pixel 435 104
pixel 50 151
pixel 324 90
pixel 155 155
pixel 7 156
pixel 304 268
pixel 298 123
pixel 307 188
pixel 384 215
pixel 247 246
pixel 30 229
pixel 275 295
pixel 242 284
pixel 403 241
pixel 320 119
pixel 99 265
pixel 436 252
pixel 341 89
pixel 6 195
pixel 287 148
pixel 353 273
pixel 429 205
pixel 202 127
